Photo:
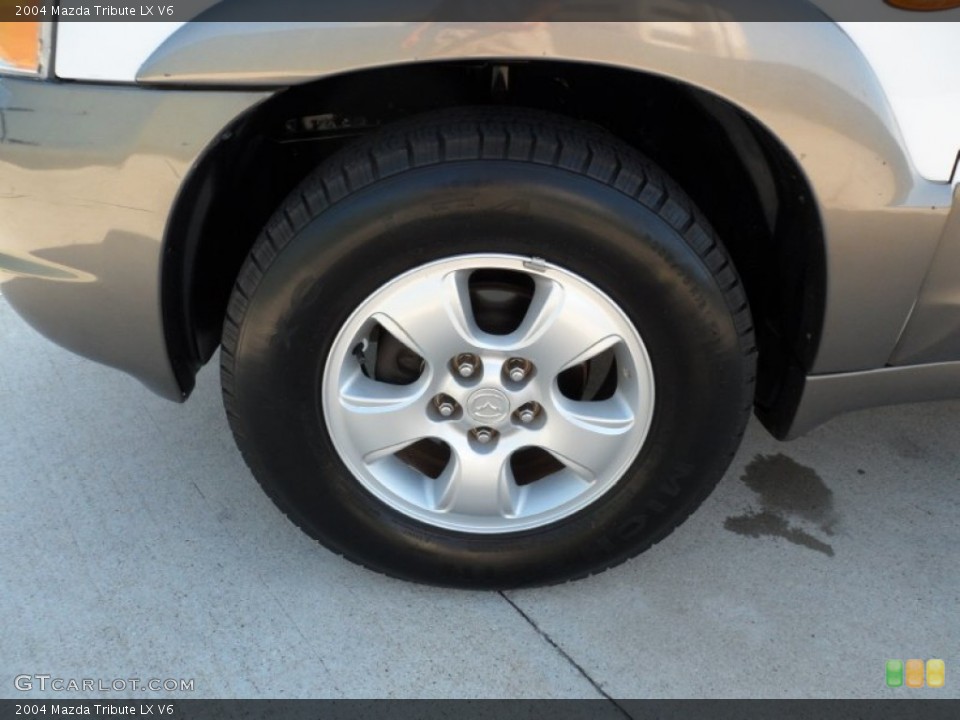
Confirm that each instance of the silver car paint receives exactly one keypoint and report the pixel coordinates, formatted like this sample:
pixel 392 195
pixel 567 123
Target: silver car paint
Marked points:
pixel 826 396
pixel 806 82
pixel 88 175
pixel 933 333
pixel 92 173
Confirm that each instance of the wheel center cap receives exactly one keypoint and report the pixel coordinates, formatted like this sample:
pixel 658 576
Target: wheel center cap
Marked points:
pixel 488 406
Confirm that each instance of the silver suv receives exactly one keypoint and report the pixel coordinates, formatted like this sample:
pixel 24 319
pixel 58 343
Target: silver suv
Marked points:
pixel 493 301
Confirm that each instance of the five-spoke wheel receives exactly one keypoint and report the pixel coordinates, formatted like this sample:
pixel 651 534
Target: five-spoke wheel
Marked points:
pixel 488 349
pixel 493 429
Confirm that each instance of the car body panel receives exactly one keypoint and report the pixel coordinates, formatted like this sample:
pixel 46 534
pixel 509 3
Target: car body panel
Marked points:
pixel 130 43
pixel 807 83
pixel 933 332
pixel 91 173
pixel 826 396
pixel 918 65
pixel 88 176
pixel 922 86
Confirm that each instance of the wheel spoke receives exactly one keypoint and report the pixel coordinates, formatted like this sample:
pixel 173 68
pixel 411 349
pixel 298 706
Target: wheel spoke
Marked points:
pixel 383 418
pixel 562 329
pixel 553 490
pixel 477 484
pixel 463 479
pixel 432 317
pixel 585 435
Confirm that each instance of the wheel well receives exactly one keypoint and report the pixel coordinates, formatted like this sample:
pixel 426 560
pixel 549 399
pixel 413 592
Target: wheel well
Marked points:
pixel 738 174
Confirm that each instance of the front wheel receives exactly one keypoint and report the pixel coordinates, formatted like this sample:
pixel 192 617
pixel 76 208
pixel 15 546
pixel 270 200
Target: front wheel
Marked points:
pixel 488 349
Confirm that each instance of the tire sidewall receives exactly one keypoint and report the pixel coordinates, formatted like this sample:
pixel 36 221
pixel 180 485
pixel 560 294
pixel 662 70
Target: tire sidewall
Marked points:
pixel 380 232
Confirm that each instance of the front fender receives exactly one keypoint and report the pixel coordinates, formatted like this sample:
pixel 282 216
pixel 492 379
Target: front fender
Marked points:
pixel 806 82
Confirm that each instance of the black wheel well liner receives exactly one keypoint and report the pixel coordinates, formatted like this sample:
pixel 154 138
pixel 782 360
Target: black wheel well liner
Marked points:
pixel 746 183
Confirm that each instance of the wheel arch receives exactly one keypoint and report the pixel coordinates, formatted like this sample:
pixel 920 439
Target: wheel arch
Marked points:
pixel 743 179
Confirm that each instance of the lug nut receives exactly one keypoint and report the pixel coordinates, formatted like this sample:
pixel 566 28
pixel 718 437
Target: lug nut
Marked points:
pixel 517 369
pixel 484 435
pixel 467 364
pixel 528 413
pixel 445 405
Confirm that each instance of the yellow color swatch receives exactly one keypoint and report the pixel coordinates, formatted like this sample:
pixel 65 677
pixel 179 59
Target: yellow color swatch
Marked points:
pixel 915 673
pixel 936 673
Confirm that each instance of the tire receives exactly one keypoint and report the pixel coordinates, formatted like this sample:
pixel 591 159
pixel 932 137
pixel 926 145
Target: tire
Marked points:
pixel 440 243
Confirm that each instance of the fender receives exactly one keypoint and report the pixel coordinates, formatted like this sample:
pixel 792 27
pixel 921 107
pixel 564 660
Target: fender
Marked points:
pixel 808 83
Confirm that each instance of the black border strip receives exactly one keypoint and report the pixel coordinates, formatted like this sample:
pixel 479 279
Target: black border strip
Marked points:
pixel 518 11
pixel 906 709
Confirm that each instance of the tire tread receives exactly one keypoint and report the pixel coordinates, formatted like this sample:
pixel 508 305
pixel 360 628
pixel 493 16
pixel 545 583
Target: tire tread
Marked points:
pixel 478 134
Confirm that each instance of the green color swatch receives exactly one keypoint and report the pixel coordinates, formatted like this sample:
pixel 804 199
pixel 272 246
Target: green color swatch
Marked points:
pixel 894 673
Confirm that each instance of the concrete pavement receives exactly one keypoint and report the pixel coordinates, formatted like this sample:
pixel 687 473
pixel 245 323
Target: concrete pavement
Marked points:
pixel 136 544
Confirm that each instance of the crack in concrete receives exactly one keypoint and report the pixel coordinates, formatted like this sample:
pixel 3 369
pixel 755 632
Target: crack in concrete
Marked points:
pixel 566 656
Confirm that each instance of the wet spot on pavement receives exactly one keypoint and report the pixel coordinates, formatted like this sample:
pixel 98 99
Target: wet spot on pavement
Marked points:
pixel 795 504
pixel 908 448
pixel 759 524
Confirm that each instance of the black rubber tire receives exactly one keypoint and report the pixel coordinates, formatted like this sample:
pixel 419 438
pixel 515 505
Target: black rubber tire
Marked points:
pixel 488 180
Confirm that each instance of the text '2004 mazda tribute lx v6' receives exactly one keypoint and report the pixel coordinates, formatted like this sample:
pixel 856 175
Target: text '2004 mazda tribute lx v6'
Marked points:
pixel 494 301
